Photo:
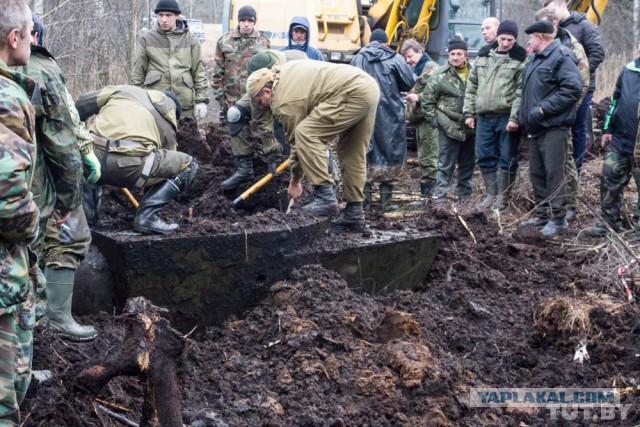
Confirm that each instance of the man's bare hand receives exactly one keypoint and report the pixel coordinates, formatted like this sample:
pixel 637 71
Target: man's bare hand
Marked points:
pixel 64 216
pixel 512 126
pixel 295 189
pixel 606 138
pixel 412 98
pixel 470 122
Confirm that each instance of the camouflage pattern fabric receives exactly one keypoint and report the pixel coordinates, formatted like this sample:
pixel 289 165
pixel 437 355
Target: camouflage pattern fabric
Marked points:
pixel 262 126
pixel 572 177
pixel 57 180
pixel 568 40
pixel 443 99
pixel 413 113
pixel 67 245
pixel 18 227
pixel 172 60
pixel 233 52
pixel 494 86
pixel 616 174
pixel 427 142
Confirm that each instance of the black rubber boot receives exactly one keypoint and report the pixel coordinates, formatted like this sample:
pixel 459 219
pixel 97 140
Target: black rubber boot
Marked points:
pixel 426 188
pixel 243 173
pixel 506 181
pixel 351 219
pixel 155 198
pixel 324 201
pixel 59 296
pixel 386 194
pixel 491 189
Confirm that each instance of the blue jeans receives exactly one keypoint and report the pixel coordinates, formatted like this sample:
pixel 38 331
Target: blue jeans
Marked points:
pixel 494 145
pixel 579 131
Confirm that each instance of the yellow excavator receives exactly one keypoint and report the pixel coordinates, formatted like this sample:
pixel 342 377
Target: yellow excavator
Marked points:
pixel 340 27
pixel 593 8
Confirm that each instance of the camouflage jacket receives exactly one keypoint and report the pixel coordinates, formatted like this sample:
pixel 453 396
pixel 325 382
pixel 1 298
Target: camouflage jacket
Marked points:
pixel 413 113
pixel 233 52
pixel 172 60
pixel 128 112
pixel 18 211
pixel 442 99
pixel 567 39
pixel 494 85
pixel 57 177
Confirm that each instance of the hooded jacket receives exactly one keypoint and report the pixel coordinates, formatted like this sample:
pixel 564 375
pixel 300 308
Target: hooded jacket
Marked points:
pixel 622 118
pixel 589 36
pixel 551 81
pixel 388 144
pixel 172 60
pixel 311 51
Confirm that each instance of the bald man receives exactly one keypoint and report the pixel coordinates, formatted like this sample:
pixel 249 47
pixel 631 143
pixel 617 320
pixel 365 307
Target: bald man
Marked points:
pixel 490 29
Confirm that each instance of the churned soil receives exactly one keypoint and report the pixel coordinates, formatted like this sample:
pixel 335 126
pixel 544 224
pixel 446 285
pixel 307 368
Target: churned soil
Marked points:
pixel 501 307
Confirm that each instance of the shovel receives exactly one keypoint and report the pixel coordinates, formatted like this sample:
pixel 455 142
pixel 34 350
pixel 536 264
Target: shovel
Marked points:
pixel 255 187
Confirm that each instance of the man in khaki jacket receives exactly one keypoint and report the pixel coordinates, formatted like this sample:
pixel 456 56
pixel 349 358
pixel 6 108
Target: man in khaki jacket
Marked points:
pixel 170 58
pixel 315 101
pixel 134 137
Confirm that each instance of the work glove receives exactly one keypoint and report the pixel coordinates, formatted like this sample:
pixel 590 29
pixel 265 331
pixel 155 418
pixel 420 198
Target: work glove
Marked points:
pixel 201 110
pixel 434 123
pixel 273 161
pixel 92 162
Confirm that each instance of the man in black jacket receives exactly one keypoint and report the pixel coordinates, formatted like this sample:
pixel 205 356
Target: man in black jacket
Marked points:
pixel 589 37
pixel 619 140
pixel 551 87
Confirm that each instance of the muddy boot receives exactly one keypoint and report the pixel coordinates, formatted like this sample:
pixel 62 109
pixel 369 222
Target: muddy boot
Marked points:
pixel 324 201
pixel 490 178
pixel 351 219
pixel 506 181
pixel 386 194
pixel 243 173
pixel 554 227
pixel 58 317
pixel 426 187
pixel 155 198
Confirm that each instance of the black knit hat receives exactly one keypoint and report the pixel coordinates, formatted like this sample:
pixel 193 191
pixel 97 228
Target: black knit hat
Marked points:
pixel 542 27
pixel 457 44
pixel 37 28
pixel 176 101
pixel 247 12
pixel 379 35
pixel 167 6
pixel 508 27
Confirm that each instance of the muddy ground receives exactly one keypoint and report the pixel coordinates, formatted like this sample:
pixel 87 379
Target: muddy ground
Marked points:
pixel 501 307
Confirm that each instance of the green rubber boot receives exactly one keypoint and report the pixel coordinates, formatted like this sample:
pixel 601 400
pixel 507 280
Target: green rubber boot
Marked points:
pixel 58 317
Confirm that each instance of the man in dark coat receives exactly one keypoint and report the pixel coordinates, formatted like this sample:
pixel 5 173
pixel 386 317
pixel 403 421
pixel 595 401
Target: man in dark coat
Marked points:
pixel 551 87
pixel 387 152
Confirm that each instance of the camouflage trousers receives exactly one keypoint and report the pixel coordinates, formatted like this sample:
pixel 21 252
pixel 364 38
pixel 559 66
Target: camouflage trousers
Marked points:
pixel 242 143
pixel 427 141
pixel 67 245
pixel 616 174
pixel 16 350
pixel 572 178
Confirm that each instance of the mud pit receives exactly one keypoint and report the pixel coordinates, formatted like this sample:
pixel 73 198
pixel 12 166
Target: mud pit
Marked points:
pixel 313 352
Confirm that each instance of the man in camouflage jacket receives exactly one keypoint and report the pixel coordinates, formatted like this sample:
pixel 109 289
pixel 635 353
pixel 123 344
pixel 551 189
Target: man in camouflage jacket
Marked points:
pixel 18 211
pixel 490 107
pixel 441 105
pixel 170 59
pixel 233 52
pixel 64 144
pixel 426 136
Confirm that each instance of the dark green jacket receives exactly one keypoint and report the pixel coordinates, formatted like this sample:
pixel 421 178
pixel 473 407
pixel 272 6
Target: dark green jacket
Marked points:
pixel 172 60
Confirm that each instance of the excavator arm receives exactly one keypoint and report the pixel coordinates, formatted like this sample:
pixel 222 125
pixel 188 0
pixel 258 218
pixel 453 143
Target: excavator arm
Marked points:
pixel 593 8
pixel 403 19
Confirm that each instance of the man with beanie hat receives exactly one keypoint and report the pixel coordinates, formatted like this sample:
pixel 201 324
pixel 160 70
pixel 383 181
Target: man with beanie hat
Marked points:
pixel 387 152
pixel 170 58
pixel 64 145
pixel 299 38
pixel 551 87
pixel 317 101
pixel 491 103
pixel 426 136
pixel 233 52
pixel 441 105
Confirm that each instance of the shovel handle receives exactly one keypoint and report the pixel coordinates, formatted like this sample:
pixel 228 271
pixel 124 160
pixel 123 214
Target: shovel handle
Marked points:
pixel 132 199
pixel 255 187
